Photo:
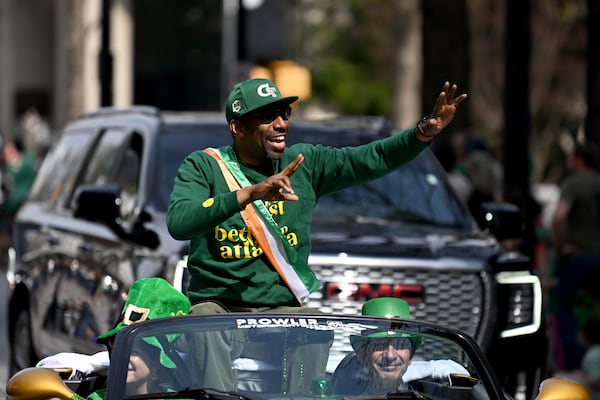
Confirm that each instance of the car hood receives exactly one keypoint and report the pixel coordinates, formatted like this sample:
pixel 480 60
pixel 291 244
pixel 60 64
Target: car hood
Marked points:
pixel 386 238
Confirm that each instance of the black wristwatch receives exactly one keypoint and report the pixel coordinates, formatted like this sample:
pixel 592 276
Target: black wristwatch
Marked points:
pixel 422 122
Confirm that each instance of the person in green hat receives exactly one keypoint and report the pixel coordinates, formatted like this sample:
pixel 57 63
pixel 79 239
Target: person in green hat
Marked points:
pixel 382 360
pixel 147 299
pixel 247 208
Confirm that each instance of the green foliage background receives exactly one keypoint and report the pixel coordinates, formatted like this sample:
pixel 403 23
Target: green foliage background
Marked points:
pixel 348 75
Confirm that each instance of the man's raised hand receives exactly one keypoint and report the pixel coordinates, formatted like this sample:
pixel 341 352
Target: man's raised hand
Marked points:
pixel 444 109
pixel 274 188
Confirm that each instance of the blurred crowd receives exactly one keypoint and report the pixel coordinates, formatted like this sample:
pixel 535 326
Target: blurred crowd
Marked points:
pixel 474 170
pixel 566 252
pixel 575 296
pixel 22 153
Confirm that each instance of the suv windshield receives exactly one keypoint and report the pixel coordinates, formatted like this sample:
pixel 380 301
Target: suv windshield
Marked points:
pixel 175 143
pixel 415 193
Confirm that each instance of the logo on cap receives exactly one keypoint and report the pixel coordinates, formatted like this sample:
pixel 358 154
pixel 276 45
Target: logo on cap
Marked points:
pixel 236 106
pixel 265 90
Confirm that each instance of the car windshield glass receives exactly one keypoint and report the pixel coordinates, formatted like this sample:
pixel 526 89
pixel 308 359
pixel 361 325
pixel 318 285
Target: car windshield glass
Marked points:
pixel 175 143
pixel 284 354
pixel 415 193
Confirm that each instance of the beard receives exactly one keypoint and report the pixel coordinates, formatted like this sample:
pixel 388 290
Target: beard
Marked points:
pixel 382 384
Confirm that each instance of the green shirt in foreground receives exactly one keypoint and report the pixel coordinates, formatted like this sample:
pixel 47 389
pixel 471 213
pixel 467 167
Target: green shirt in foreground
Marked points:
pixel 224 262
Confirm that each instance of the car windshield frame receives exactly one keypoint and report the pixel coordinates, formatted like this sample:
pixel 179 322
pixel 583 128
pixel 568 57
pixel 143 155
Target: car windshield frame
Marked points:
pixel 268 330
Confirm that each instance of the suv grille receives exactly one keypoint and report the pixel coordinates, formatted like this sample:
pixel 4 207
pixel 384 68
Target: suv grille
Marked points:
pixel 450 297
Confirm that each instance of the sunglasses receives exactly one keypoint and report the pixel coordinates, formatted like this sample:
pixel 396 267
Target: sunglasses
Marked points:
pixel 269 115
pixel 397 343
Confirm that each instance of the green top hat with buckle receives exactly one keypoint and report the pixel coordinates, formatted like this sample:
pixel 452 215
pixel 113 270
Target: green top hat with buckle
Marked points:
pixel 388 307
pixel 150 298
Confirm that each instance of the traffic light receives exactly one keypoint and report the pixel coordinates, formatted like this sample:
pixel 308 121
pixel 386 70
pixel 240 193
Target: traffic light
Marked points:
pixel 291 78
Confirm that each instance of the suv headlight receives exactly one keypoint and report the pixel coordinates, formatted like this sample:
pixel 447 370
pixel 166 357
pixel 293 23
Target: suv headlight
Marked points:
pixel 522 313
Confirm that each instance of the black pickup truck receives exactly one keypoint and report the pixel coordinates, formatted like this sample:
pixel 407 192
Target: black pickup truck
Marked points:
pixel 95 222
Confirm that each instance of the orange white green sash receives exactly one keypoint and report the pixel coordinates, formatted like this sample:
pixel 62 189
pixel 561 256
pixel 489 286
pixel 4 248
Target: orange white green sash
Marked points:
pixel 299 278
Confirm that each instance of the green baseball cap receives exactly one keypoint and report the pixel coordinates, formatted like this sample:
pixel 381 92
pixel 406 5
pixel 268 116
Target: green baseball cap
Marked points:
pixel 150 298
pixel 251 95
pixel 388 307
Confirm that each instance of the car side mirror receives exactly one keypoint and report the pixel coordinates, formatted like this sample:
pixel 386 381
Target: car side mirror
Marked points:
pixel 37 383
pixel 503 220
pixel 103 204
pixel 98 203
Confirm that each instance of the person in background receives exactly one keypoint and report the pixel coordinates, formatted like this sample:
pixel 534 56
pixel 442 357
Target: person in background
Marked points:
pixel 458 181
pixel 19 170
pixel 485 174
pixel 36 133
pixel 576 239
pixel 19 173
pixel 589 372
pixel 247 208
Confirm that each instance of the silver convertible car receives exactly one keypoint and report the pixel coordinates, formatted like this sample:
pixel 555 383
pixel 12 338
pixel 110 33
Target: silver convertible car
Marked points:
pixel 247 356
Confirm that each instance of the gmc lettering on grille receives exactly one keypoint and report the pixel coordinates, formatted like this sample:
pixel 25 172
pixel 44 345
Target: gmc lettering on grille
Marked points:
pixel 365 291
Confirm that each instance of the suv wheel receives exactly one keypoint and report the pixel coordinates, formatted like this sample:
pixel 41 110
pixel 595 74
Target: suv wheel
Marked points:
pixel 22 355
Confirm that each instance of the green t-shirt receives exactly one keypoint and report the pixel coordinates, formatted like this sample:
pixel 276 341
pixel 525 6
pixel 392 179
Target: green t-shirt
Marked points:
pixel 224 262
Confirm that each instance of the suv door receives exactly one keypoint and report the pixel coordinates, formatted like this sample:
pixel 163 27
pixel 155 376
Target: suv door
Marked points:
pixel 34 242
pixel 79 266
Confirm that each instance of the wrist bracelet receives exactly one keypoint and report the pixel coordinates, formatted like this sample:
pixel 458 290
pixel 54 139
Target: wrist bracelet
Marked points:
pixel 422 122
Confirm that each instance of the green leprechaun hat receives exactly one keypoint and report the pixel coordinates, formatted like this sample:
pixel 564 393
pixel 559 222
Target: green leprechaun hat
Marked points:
pixel 150 298
pixel 388 307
